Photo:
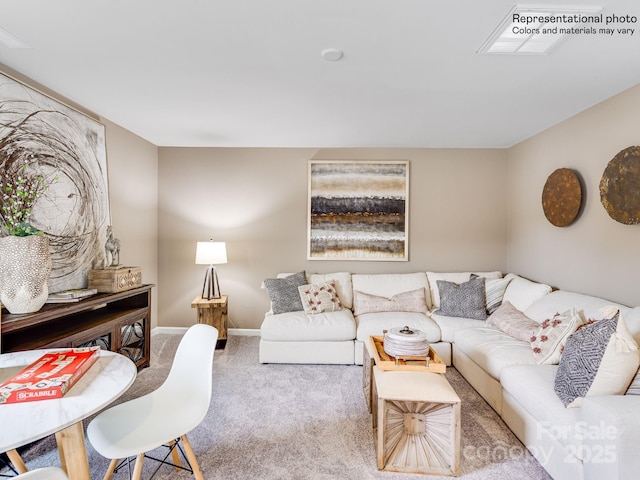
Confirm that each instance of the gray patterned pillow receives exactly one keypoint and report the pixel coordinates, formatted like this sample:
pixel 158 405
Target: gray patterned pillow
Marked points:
pixel 581 358
pixel 464 300
pixel 598 359
pixel 284 293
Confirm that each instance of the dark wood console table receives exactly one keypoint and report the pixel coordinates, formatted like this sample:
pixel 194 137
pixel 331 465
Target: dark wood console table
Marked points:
pixel 120 322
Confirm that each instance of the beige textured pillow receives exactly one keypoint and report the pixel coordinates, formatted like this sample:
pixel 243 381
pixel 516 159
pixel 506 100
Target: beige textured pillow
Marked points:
pixel 319 298
pixel 512 321
pixel 412 301
pixel 549 340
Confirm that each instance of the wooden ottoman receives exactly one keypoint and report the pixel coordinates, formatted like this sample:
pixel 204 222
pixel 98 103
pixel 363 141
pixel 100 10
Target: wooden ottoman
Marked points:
pixel 416 422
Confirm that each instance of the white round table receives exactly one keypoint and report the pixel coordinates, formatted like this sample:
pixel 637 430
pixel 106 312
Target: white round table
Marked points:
pixel 23 423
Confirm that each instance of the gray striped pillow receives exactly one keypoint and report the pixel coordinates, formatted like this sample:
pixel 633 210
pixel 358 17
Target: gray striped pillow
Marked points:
pixel 494 291
pixel 634 388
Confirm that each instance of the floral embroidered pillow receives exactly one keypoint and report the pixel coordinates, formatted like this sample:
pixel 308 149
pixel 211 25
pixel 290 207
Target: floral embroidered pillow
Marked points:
pixel 319 298
pixel 548 342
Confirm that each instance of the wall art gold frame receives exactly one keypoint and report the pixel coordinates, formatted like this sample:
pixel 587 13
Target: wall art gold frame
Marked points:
pixel 358 210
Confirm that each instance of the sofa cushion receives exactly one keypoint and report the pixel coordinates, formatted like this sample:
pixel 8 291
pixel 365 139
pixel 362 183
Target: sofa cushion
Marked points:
pixel 599 359
pixel 532 387
pixel 319 298
pixel 512 321
pixel 632 319
pixel 342 282
pixel 563 300
pixel 303 327
pixel 390 284
pixel 466 299
pixel 522 293
pixel 284 294
pixel 493 349
pixel 455 277
pixel 375 323
pixel 413 301
pixel 450 325
pixel 549 339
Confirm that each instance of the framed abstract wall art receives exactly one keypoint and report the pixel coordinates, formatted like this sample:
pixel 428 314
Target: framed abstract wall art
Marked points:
pixel 358 210
pixel 48 138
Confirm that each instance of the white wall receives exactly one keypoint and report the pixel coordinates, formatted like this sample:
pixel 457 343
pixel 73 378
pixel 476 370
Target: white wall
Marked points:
pixel 594 255
pixel 256 201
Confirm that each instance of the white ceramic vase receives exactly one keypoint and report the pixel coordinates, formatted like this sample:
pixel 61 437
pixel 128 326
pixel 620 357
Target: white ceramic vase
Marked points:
pixel 25 267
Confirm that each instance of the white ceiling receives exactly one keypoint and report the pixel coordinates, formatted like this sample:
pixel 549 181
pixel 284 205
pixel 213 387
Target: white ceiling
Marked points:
pixel 249 73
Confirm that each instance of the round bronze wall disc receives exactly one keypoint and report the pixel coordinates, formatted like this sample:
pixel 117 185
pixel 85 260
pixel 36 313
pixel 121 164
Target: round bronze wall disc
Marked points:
pixel 620 187
pixel 562 197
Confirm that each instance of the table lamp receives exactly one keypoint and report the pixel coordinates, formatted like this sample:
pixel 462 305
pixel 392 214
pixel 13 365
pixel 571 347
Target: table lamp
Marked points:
pixel 211 253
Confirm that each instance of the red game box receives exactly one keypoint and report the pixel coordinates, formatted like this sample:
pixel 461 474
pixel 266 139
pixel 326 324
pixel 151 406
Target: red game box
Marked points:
pixel 51 376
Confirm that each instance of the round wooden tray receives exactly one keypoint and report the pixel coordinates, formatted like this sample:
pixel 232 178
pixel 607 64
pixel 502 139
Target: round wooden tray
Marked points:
pixel 620 187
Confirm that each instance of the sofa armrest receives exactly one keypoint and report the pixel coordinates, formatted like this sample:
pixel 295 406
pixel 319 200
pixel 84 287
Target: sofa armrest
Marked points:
pixel 611 436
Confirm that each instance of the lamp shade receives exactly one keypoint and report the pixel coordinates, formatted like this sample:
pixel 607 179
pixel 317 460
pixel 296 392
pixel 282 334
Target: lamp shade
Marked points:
pixel 211 253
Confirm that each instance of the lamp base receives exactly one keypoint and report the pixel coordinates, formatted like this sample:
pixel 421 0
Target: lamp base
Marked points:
pixel 211 287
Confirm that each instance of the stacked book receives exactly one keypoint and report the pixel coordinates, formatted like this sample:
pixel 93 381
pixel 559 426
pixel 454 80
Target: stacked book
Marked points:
pixel 72 295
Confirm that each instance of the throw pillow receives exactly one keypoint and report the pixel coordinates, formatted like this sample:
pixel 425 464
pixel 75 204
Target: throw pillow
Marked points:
pixel 319 298
pixel 466 299
pixel 599 359
pixel 342 282
pixel 494 291
pixel 512 321
pixel 284 293
pixel 523 293
pixel 634 388
pixel 549 339
pixel 412 301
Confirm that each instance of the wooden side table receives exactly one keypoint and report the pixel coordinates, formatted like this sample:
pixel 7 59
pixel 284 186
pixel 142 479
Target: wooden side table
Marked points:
pixel 213 312
pixel 417 429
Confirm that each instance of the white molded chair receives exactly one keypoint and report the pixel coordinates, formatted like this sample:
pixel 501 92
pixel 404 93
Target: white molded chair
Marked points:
pixel 49 473
pixel 164 416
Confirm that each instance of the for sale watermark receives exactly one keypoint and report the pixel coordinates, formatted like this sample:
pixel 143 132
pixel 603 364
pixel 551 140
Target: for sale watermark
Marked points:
pixel 577 442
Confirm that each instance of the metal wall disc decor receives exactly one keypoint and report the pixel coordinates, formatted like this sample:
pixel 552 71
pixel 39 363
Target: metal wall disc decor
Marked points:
pixel 562 197
pixel 620 187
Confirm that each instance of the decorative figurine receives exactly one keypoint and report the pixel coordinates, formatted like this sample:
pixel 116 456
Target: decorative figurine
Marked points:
pixel 111 249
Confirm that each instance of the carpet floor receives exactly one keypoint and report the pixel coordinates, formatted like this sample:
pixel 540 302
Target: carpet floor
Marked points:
pixel 301 422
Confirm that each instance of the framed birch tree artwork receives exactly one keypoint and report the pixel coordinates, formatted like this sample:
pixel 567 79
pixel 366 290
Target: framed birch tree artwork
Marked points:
pixel 358 210
pixel 48 138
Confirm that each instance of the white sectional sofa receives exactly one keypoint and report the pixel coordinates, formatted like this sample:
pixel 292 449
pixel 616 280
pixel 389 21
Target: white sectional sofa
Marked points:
pixel 596 440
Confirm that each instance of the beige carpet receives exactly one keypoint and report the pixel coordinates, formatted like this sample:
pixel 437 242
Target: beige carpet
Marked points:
pixel 299 422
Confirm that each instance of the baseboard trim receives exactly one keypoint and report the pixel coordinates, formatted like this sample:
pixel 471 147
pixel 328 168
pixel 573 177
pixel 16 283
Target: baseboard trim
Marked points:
pixel 169 330
pixel 247 332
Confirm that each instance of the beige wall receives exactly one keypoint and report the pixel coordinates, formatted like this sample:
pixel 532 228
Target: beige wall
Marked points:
pixel 594 255
pixel 256 201
pixel 469 209
pixel 133 195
